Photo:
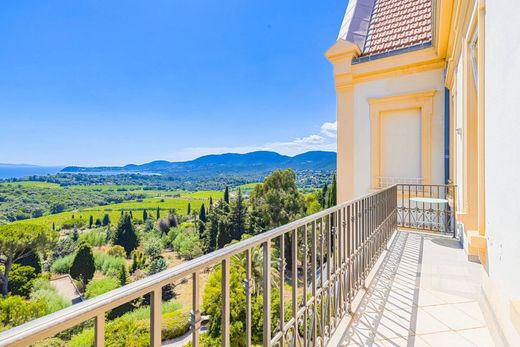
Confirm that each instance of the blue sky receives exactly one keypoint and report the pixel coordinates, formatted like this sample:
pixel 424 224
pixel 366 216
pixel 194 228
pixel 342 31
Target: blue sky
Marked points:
pixel 116 82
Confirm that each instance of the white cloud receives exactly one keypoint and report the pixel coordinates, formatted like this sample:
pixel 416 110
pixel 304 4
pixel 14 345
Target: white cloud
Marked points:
pixel 329 129
pixel 313 142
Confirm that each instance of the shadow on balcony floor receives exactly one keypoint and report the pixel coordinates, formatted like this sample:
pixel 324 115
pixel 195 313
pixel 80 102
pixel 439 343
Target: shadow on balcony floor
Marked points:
pixel 425 293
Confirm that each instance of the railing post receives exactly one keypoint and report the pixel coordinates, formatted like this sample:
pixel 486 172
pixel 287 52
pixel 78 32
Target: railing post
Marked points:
pixel 195 313
pixel 155 317
pixel 282 301
pixel 267 293
pixel 226 341
pixel 294 280
pixel 248 287
pixel 99 330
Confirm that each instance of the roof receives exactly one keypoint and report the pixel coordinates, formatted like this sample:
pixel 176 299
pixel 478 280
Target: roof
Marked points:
pixel 385 26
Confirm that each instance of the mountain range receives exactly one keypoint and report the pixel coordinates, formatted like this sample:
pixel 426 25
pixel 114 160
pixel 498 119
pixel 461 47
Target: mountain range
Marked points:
pixel 219 164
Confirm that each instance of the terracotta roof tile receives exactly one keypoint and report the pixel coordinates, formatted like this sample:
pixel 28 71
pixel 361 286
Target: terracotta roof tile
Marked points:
pixel 397 24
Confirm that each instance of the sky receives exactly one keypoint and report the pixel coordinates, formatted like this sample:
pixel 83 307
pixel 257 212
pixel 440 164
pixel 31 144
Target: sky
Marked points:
pixel 116 82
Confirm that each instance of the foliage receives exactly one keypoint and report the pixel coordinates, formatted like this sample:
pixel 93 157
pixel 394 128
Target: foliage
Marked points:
pixel 126 234
pixel 186 243
pixel 117 251
pixel 212 304
pixel 174 324
pixel 74 223
pixel 15 310
pixel 157 265
pixel 138 260
pixel 21 280
pixel 83 266
pixel 43 290
pixel 153 248
pixel 94 238
pixel 100 286
pixel 17 242
pixel 62 265
pixel 33 260
pixel 123 275
pixel 64 247
pixel 238 217
pixel 108 264
pixel 278 200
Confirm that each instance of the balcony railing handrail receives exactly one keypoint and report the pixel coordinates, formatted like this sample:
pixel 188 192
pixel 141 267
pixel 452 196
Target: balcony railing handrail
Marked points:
pixel 61 320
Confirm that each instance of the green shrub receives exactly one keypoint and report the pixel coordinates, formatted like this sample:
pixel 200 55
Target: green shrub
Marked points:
pixel 43 290
pixel 117 251
pixel 95 238
pixel 15 310
pixel 21 280
pixel 74 223
pixel 62 265
pixel 100 286
pixel 108 264
pixel 174 324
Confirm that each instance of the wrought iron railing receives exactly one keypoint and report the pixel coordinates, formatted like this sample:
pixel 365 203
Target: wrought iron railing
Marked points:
pixel 427 207
pixel 330 255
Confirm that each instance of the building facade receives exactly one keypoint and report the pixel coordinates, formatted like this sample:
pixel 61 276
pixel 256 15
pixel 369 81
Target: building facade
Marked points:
pixel 426 95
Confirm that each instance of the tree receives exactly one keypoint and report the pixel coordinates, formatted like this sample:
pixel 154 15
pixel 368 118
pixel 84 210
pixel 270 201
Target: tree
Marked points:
pixel 157 213
pixel 17 241
pixel 125 234
pixel 145 215
pixel 173 221
pixel 238 217
pixel 98 222
pixel 106 219
pixel 123 275
pixel 90 221
pixel 226 195
pixel 83 266
pixel 278 201
pixel 210 202
pixel 202 221
pixel 33 260
pixel 224 232
pixel 323 196
pixel 189 209
pixel 332 192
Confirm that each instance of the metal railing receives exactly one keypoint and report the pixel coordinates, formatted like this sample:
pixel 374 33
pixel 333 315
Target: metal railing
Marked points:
pixel 331 254
pixel 427 207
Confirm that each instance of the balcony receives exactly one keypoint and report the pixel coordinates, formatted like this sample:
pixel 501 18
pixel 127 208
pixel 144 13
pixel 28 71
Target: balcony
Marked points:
pixel 355 274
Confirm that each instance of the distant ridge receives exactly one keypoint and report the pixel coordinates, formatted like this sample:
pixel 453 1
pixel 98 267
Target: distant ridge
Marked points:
pixel 228 163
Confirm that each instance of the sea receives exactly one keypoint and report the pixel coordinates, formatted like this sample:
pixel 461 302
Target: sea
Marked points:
pixel 18 171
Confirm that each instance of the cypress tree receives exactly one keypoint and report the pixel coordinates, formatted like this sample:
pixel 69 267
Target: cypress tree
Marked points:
pixel 238 218
pixel 189 208
pixel 333 192
pixel 123 275
pixel 83 266
pixel 226 195
pixel 158 213
pixel 53 226
pixel 223 233
pixel 90 221
pixel 323 197
pixel 202 213
pixel 210 202
pixel 125 234
pixel 145 215
pixel 98 222
pixel 106 219
pixel 202 221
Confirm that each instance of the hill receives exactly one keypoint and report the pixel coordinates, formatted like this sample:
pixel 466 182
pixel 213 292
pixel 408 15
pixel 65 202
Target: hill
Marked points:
pixel 258 162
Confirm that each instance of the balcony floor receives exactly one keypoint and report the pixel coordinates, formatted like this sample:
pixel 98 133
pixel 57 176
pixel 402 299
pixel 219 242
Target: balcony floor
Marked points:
pixel 424 293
